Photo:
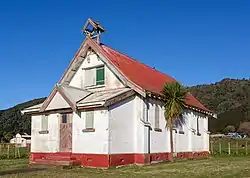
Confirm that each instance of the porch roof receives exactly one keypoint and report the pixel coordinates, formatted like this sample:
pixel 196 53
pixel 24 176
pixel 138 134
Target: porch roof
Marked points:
pixel 84 98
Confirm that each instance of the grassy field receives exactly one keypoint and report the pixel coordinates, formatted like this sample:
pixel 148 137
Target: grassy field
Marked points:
pixel 225 146
pixel 212 167
pixel 10 151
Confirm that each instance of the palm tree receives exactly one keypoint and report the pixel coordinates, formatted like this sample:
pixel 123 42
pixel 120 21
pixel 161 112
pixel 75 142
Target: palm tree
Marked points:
pixel 174 94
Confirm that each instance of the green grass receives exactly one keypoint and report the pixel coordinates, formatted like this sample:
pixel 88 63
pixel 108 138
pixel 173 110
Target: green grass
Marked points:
pixel 13 153
pixel 223 167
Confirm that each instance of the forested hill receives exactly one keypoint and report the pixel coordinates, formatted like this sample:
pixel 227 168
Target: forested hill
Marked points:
pixel 229 98
pixel 13 122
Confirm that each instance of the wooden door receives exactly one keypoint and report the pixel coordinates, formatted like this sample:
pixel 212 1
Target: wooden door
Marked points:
pixel 66 132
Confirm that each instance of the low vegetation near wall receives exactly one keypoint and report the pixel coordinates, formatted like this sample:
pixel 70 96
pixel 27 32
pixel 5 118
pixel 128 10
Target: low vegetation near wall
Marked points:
pixel 12 151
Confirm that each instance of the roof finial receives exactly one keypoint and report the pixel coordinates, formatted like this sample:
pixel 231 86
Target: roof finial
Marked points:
pixel 93 29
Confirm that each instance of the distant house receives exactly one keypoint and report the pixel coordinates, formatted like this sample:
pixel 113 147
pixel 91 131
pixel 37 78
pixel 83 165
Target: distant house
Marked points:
pixel 107 110
pixel 21 140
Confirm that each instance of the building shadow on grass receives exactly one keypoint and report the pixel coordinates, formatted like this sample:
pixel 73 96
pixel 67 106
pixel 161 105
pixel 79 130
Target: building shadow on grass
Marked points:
pixel 19 171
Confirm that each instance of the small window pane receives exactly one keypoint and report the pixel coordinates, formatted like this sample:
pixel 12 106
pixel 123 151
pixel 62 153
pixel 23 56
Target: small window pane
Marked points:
pixel 157 118
pixel 100 76
pixel 44 124
pixel 90 77
pixel 89 124
pixel 64 118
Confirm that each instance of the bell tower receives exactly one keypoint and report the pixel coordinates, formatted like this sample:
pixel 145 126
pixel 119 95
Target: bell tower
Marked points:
pixel 93 29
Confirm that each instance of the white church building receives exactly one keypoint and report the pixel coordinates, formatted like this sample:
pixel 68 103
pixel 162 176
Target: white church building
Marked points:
pixel 107 110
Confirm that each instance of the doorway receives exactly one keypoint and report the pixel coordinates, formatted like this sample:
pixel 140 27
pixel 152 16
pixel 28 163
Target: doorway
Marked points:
pixel 66 132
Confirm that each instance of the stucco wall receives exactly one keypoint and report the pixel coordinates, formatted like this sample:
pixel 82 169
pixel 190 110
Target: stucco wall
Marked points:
pixel 111 81
pixel 124 126
pixel 58 102
pixel 159 141
pixel 183 142
pixel 197 142
pixel 122 118
pixel 140 129
pixel 90 142
pixel 45 142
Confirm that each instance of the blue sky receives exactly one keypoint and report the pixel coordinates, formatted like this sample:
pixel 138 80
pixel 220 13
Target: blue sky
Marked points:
pixel 197 42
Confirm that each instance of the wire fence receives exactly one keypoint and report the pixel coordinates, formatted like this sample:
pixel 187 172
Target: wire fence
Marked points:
pixel 13 151
pixel 225 146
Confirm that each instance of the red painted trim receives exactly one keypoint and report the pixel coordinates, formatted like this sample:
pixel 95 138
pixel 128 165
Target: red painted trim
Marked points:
pixel 105 160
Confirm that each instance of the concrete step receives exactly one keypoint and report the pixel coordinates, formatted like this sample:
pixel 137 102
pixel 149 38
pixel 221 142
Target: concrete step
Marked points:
pixel 56 162
pixel 59 158
pixel 52 162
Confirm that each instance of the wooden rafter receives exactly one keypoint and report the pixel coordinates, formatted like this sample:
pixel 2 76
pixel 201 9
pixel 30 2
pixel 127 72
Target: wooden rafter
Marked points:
pixel 96 30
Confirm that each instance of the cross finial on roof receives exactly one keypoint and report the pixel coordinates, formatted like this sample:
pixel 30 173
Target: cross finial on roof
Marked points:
pixel 93 29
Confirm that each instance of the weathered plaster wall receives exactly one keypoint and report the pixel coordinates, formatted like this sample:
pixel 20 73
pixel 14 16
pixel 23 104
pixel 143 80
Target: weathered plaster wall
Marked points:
pixel 45 142
pixel 124 126
pixel 122 119
pixel 58 102
pixel 183 142
pixel 111 81
pixel 199 142
pixel 90 142
pixel 140 130
pixel 159 140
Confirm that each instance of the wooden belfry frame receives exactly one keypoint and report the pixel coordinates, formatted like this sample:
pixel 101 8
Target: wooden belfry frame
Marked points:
pixel 93 29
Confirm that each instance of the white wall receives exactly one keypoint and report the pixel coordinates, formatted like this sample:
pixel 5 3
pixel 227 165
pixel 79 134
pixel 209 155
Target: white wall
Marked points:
pixel 58 102
pixel 187 142
pixel 123 126
pixel 182 140
pixel 140 129
pixel 122 119
pixel 90 142
pixel 191 141
pixel 45 142
pixel 206 135
pixel 111 81
pixel 159 141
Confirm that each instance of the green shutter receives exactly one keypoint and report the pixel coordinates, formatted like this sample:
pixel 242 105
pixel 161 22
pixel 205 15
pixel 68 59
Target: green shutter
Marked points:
pixel 100 75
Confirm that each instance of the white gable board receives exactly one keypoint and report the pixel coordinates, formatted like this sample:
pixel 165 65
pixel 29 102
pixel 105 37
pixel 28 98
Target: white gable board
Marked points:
pixel 58 102
pixel 85 77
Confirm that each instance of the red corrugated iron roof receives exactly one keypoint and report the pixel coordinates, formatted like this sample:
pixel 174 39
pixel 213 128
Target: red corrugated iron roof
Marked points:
pixel 142 75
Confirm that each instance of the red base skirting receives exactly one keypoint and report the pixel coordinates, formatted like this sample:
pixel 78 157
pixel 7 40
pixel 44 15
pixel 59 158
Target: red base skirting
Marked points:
pixel 105 161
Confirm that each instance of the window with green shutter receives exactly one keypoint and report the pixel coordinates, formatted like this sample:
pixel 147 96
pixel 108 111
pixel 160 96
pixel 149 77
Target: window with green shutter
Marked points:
pixel 100 76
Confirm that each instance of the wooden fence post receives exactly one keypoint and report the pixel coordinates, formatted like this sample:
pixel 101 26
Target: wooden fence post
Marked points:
pixel 212 148
pixel 18 152
pixel 220 147
pixel 246 148
pixel 15 151
pixel 237 151
pixel 8 151
pixel 229 149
